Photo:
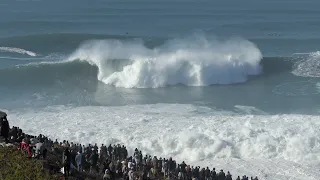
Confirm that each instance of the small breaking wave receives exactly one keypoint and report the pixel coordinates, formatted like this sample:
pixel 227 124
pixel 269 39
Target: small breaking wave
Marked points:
pixel 18 50
pixel 192 61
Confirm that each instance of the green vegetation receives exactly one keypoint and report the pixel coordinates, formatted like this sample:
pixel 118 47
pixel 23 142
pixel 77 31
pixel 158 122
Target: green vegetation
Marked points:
pixel 14 165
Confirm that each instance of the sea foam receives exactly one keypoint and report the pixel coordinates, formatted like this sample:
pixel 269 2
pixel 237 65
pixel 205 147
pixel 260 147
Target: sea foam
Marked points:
pixel 309 66
pixel 192 61
pixel 271 146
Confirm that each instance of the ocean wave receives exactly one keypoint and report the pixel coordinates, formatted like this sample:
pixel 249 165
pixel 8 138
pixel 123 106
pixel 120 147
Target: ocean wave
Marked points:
pixel 18 50
pixel 192 61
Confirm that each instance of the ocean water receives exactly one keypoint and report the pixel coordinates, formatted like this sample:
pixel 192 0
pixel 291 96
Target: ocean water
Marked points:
pixel 226 84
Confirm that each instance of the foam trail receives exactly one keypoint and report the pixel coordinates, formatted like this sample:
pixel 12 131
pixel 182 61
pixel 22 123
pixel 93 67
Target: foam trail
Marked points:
pixel 18 50
pixel 192 61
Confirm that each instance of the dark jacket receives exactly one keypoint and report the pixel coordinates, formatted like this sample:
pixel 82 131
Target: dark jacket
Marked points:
pixel 66 158
pixel 4 130
pixel 221 175
pixel 93 159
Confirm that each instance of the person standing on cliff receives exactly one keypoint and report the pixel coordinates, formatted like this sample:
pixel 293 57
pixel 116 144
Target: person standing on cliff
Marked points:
pixel 5 128
pixel 66 162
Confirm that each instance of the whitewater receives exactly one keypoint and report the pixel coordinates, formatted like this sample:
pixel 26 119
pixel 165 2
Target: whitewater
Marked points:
pixel 233 86
pixel 269 146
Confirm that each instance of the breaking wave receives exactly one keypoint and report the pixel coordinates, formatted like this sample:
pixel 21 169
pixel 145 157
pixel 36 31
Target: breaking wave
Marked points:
pixel 192 61
pixel 18 50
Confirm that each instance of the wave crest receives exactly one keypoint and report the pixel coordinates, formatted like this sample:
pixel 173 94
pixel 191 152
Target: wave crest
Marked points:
pixel 193 61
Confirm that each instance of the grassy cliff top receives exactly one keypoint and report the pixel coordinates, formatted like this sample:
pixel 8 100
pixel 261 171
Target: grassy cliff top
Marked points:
pixel 17 165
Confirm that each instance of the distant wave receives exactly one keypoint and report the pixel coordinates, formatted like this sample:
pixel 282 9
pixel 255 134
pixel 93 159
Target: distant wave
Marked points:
pixel 192 61
pixel 18 50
